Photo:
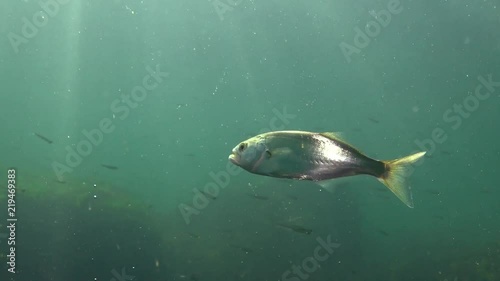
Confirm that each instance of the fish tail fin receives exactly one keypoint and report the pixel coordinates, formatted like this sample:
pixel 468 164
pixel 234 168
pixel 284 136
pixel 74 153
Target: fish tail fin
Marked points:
pixel 396 172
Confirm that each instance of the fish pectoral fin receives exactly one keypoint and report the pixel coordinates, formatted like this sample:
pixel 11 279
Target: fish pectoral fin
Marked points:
pixel 328 185
pixel 282 151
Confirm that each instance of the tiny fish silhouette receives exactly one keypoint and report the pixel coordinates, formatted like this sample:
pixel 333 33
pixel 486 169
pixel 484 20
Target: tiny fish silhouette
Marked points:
pixel 383 232
pixel 43 138
pixel 111 167
pixel 208 195
pixel 256 196
pixel 296 228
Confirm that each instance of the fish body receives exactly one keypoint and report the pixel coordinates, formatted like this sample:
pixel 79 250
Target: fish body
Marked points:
pixel 318 157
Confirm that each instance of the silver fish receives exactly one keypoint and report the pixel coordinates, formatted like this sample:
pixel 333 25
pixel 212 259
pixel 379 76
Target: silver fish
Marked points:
pixel 319 157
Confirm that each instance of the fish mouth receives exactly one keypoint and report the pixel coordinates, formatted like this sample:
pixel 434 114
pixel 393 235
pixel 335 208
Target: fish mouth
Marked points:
pixel 233 158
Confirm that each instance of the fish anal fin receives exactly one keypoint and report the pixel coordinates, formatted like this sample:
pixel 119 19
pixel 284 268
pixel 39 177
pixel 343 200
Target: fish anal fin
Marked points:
pixel 328 185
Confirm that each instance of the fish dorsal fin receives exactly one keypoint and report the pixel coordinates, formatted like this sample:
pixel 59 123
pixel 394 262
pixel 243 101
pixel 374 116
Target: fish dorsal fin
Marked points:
pixel 338 137
pixel 334 136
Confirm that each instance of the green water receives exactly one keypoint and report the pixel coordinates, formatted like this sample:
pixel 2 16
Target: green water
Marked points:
pixel 137 105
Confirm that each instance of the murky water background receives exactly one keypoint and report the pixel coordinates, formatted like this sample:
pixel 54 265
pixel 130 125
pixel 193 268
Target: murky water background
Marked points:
pixel 118 117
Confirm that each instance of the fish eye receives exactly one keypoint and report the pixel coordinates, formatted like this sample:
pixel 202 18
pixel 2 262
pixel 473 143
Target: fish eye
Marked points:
pixel 242 146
